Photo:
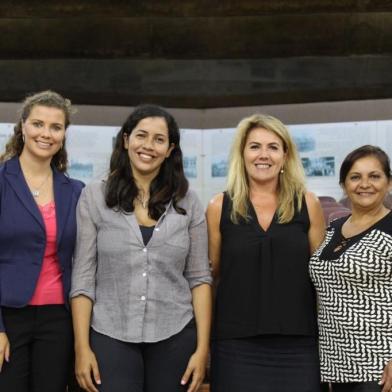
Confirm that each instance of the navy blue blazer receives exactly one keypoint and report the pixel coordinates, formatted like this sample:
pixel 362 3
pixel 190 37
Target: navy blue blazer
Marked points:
pixel 23 236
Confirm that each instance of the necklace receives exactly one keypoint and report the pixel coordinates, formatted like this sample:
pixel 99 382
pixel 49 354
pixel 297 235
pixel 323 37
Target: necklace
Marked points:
pixel 143 201
pixel 36 191
pixel 342 244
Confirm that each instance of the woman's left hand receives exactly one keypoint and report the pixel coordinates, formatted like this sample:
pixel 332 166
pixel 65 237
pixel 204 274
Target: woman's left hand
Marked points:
pixel 386 380
pixel 196 370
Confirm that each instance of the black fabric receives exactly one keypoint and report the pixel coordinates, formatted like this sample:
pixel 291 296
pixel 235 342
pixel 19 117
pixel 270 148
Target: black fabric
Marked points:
pixel 146 233
pixel 265 364
pixel 264 285
pixel 356 387
pixel 144 367
pixel 339 244
pixel 41 343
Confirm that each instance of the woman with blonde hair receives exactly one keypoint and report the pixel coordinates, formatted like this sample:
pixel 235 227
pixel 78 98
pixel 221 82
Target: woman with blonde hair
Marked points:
pixel 262 231
pixel 37 238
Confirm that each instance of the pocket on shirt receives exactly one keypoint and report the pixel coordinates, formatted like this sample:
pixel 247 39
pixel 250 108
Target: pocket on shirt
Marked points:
pixel 176 226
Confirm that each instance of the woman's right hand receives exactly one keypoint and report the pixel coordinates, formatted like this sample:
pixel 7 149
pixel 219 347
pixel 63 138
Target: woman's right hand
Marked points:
pixel 4 349
pixel 86 365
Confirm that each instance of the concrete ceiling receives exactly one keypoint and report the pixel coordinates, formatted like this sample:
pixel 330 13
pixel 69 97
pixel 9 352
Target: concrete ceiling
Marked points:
pixel 197 54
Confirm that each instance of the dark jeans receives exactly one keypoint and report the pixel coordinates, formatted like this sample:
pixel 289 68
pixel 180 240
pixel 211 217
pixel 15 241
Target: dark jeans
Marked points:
pixel 144 367
pixel 265 364
pixel 41 343
pixel 356 387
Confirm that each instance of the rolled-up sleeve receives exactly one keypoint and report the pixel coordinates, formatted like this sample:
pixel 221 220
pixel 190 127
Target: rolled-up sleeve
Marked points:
pixel 85 258
pixel 197 269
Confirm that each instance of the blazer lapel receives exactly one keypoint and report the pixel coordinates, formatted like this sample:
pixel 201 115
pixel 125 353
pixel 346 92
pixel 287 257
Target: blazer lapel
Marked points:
pixel 18 183
pixel 63 199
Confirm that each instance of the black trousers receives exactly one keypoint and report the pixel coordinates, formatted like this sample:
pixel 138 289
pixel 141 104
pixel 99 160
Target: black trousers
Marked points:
pixel 265 364
pixel 143 367
pixel 41 341
pixel 356 387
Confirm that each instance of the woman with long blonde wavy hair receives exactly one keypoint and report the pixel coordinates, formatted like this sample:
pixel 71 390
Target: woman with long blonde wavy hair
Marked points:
pixel 262 231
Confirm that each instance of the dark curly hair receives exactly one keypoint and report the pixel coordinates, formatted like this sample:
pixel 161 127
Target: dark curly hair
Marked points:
pixel 169 184
pixel 15 144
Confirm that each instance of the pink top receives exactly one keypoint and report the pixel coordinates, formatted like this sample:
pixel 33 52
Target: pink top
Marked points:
pixel 49 288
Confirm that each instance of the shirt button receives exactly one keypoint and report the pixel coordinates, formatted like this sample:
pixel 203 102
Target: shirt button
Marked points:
pixel 144 250
pixel 157 229
pixel 144 274
pixel 143 298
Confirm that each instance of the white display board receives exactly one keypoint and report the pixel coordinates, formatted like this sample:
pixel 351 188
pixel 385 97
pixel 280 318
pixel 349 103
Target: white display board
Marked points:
pixel 322 148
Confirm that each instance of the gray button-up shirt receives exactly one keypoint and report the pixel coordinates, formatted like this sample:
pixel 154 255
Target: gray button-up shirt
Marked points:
pixel 140 293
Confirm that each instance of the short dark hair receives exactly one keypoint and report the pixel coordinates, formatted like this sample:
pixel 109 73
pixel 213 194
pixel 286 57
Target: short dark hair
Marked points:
pixel 362 152
pixel 169 184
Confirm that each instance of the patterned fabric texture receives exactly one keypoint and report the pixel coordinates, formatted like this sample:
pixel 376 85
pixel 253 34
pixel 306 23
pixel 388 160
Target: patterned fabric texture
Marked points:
pixel 354 288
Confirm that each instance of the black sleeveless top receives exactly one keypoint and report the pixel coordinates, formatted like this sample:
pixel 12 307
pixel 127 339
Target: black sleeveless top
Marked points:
pixel 264 285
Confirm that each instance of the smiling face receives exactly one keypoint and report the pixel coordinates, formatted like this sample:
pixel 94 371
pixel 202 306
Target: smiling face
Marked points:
pixel 264 156
pixel 366 184
pixel 148 146
pixel 44 132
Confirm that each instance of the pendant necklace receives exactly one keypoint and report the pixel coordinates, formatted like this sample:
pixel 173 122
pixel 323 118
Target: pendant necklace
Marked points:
pixel 36 191
pixel 143 201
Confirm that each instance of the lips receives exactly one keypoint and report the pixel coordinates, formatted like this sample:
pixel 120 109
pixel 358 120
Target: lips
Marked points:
pixel 263 165
pixel 365 193
pixel 145 157
pixel 44 145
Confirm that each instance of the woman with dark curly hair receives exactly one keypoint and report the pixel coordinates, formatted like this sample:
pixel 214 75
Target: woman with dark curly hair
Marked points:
pixel 141 277
pixel 37 237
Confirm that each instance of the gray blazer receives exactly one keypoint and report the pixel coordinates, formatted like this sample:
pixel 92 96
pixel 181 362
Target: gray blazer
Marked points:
pixel 140 293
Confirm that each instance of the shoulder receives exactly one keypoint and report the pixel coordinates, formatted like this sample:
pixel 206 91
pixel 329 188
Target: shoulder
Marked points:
pixel 216 202
pixel 312 201
pixel 94 191
pixel 95 187
pixel 191 201
pixel 76 184
pixel 313 204
pixel 214 208
pixel 337 223
pixel 315 211
pixel 10 166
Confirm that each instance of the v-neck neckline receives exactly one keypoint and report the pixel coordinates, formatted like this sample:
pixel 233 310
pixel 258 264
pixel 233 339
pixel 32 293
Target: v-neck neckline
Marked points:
pixel 256 220
pixel 328 252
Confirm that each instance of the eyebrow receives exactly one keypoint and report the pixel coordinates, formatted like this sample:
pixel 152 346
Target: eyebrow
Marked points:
pixel 268 144
pixel 145 131
pixel 372 172
pixel 55 123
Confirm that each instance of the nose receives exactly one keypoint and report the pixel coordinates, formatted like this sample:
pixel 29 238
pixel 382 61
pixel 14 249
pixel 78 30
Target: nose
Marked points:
pixel 46 131
pixel 148 143
pixel 364 182
pixel 263 153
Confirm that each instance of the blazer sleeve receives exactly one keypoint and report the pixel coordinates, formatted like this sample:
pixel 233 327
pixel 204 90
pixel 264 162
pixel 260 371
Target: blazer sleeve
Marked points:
pixel 85 257
pixel 2 326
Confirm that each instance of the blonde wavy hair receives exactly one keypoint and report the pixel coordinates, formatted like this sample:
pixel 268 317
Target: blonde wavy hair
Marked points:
pixel 48 98
pixel 291 188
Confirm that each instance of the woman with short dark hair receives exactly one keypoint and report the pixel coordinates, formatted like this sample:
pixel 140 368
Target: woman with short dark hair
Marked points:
pixel 352 273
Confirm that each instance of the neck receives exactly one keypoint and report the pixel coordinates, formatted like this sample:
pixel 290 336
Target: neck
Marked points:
pixel 143 184
pixel 359 214
pixel 34 167
pixel 265 189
